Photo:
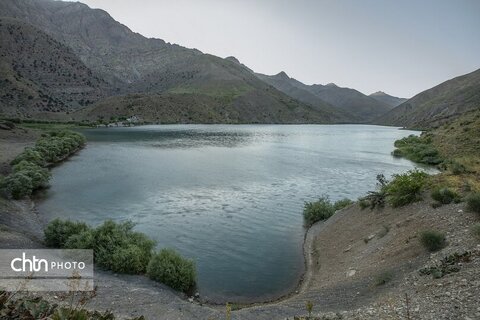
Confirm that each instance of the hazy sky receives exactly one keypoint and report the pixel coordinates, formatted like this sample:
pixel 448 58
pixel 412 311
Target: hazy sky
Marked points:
pixel 400 47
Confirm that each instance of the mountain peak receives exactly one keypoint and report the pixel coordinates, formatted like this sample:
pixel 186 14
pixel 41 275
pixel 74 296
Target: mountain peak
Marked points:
pixel 331 84
pixel 282 74
pixel 378 93
pixel 232 58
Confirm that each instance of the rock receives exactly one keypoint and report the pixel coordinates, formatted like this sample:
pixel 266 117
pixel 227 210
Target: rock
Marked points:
pixel 351 272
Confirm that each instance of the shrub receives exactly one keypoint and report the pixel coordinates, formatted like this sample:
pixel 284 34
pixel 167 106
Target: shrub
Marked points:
pixel 383 278
pixel 129 259
pixel 473 202
pixel 170 268
pixel 30 155
pixel 444 195
pixel 18 185
pixel 37 174
pixel 340 204
pixel 116 246
pixel 457 168
pixel 376 199
pixel 417 149
pixel 406 188
pixel 59 231
pixel 476 230
pixel 433 240
pixel 363 203
pixel 318 210
pixel 382 233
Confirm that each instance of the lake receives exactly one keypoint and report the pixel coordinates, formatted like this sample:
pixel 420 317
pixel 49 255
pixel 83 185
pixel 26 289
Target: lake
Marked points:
pixel 228 196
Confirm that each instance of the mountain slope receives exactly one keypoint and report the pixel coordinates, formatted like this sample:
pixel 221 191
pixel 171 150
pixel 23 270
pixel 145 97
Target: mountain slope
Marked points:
pixel 299 91
pixel 388 99
pixel 437 105
pixel 349 100
pixel 134 64
pixel 39 74
pixel 352 103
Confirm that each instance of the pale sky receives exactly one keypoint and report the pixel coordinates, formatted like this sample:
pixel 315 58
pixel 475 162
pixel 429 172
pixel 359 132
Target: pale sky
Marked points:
pixel 400 47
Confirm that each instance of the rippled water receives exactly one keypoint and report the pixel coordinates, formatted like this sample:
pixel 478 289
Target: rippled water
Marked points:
pixel 229 197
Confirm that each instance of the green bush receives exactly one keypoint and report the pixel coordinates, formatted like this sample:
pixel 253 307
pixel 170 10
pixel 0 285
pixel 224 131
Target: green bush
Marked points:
pixel 18 185
pixel 58 232
pixel 170 268
pixel 37 174
pixel 51 148
pixel 340 204
pixel 418 149
pixel 444 195
pixel 363 203
pixel 29 173
pixel 457 168
pixel 433 240
pixel 113 239
pixel 473 202
pixel 30 155
pixel 318 210
pixel 116 246
pixel 406 188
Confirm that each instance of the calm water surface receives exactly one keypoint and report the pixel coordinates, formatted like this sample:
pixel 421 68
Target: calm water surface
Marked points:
pixel 229 197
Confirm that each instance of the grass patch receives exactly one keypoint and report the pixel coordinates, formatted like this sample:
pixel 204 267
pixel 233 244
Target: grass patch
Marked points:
pixel 318 210
pixel 445 195
pixel 433 240
pixel 473 202
pixel 343 203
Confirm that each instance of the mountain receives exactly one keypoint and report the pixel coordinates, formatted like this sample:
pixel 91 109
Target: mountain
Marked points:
pixel 300 91
pixel 41 75
pixel 437 105
pixel 388 99
pixel 353 104
pixel 349 100
pixel 133 64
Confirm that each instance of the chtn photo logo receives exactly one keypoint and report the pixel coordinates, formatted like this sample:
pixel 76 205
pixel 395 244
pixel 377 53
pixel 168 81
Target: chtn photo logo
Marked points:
pixel 46 270
pixel 34 264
